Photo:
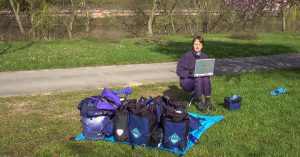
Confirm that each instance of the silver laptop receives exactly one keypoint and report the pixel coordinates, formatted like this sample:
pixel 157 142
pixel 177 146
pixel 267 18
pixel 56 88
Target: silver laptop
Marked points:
pixel 204 67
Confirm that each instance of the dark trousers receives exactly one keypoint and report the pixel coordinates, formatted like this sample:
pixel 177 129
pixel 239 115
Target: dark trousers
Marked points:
pixel 200 85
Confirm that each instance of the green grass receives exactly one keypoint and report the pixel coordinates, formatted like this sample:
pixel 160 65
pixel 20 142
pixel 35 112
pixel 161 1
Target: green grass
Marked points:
pixel 30 55
pixel 40 125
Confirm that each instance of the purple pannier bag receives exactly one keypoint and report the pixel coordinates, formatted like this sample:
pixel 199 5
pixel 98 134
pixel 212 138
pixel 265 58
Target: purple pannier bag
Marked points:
pixel 95 128
pixel 97 113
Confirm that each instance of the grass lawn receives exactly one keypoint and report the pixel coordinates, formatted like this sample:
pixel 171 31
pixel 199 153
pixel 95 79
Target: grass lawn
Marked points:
pixel 30 55
pixel 40 125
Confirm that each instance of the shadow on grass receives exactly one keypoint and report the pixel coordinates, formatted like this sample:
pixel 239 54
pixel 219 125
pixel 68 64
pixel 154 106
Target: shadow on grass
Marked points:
pixel 175 92
pixel 217 49
pixel 221 104
pixel 290 74
pixel 80 149
pixel 233 54
pixel 9 48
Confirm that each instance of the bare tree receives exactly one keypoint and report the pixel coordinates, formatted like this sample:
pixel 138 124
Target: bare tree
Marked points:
pixel 86 15
pixel 78 7
pixel 40 16
pixel 16 11
pixel 251 12
pixel 71 18
pixel 285 6
pixel 169 13
pixel 154 8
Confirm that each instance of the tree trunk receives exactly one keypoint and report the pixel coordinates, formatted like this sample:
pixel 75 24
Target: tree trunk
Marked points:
pixel 173 26
pixel 151 17
pixel 205 22
pixel 17 16
pixel 70 25
pixel 87 16
pixel 87 21
pixel 205 18
pixel 72 18
pixel 171 17
pixel 283 20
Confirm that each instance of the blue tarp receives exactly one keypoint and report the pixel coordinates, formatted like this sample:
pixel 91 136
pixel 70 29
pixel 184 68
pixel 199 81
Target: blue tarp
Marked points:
pixel 206 122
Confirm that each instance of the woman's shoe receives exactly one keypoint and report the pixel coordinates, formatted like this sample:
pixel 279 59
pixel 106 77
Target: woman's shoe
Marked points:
pixel 210 106
pixel 200 106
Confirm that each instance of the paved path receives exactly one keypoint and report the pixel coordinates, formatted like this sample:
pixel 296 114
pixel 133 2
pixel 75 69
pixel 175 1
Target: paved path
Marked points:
pixel 45 81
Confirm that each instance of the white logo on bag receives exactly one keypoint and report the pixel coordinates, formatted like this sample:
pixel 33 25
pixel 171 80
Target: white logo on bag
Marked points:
pixel 120 132
pixel 136 133
pixel 174 138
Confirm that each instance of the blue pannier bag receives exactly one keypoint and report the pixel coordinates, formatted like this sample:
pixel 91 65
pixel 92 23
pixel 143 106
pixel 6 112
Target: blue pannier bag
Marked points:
pixel 121 121
pixel 144 122
pixel 181 105
pixel 176 124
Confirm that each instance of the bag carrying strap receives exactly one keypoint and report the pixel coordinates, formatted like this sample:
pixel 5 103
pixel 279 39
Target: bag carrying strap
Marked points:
pixel 125 91
pixel 126 104
pixel 160 103
pixel 102 103
pixel 131 107
pixel 143 107
pixel 82 103
pixel 144 111
pixel 175 115
pixel 177 104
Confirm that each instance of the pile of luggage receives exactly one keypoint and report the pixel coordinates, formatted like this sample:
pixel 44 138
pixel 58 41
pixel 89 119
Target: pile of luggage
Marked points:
pixel 150 122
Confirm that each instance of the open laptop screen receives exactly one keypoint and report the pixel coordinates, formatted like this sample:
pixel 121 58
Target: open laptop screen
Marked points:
pixel 204 67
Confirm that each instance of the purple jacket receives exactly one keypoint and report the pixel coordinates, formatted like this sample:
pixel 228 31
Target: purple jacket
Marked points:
pixel 186 64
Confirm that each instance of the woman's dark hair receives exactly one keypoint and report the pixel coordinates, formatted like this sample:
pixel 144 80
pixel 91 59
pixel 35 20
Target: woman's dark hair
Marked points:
pixel 198 37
